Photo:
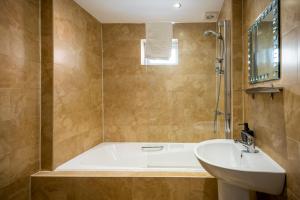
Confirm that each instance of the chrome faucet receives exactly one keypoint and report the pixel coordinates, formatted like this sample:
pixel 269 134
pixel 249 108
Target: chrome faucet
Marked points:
pixel 248 141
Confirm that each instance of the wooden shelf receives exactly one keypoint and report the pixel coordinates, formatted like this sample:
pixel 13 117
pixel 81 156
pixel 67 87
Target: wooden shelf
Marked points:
pixel 263 90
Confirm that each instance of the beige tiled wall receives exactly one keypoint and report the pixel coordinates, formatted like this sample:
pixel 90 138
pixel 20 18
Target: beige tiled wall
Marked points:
pixel 77 82
pixel 71 81
pixel 158 103
pixel 237 67
pixel 226 11
pixel 19 96
pixel 276 121
pixel 46 84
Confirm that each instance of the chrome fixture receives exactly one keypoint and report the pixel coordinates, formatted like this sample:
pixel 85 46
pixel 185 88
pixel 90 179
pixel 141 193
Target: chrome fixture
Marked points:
pixel 248 142
pixel 223 68
pixel 177 5
pixel 213 33
pixel 152 148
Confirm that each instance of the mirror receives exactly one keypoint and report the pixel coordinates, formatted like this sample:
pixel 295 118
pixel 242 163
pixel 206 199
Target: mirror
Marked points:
pixel 263 46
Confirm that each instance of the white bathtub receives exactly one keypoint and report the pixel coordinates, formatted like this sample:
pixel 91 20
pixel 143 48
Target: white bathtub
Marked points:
pixel 136 157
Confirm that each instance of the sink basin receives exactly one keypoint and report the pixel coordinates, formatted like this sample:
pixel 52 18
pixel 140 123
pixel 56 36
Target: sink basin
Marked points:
pixel 227 161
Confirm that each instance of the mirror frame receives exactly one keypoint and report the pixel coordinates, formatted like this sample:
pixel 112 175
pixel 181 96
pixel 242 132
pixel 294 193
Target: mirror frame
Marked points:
pixel 252 68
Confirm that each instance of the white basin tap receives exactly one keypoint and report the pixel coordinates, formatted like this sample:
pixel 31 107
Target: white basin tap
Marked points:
pixel 249 143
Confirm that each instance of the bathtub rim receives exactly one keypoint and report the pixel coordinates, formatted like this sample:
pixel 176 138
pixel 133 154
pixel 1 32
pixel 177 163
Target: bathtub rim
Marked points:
pixel 136 174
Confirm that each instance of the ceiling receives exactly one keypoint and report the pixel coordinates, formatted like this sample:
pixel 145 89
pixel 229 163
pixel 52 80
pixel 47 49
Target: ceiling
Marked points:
pixel 140 11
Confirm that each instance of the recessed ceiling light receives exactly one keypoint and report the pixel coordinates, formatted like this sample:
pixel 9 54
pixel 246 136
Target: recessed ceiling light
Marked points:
pixel 177 5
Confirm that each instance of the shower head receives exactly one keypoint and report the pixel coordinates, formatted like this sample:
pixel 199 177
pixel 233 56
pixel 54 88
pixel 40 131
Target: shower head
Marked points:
pixel 213 33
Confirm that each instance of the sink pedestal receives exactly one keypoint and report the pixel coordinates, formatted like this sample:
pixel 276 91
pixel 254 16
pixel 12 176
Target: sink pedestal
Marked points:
pixel 230 192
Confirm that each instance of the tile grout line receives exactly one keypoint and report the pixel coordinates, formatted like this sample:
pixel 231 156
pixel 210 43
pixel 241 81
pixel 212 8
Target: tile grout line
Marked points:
pixel 40 52
pixel 40 99
pixel 243 66
pixel 102 85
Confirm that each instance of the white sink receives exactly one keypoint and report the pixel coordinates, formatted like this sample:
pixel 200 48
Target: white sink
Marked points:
pixel 226 160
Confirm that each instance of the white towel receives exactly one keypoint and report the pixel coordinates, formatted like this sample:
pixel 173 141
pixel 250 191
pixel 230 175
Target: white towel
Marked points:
pixel 158 40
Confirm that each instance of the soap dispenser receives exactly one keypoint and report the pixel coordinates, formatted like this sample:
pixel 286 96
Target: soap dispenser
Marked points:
pixel 246 130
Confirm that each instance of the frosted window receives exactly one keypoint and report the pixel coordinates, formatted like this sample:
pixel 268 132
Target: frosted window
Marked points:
pixel 173 60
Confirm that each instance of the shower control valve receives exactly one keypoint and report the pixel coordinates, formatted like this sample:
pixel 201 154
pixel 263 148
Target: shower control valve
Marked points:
pixel 219 60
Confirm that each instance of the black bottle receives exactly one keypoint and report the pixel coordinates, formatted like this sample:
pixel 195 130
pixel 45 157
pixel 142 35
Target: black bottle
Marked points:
pixel 246 130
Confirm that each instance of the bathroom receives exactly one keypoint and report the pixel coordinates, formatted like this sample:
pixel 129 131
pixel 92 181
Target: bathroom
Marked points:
pixel 87 111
